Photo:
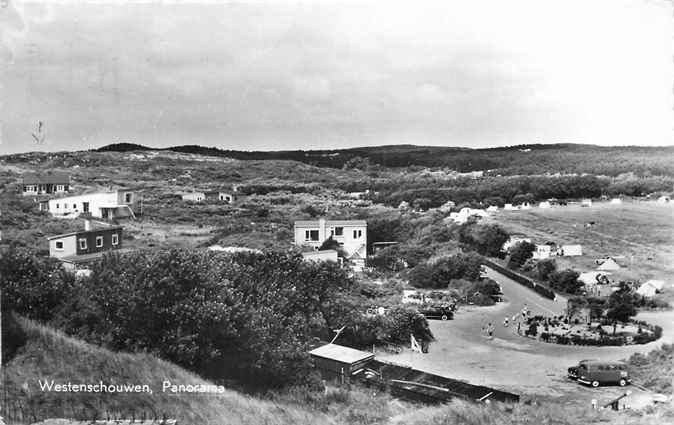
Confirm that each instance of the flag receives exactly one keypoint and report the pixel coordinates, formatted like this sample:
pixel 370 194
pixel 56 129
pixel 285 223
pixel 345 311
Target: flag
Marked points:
pixel 414 345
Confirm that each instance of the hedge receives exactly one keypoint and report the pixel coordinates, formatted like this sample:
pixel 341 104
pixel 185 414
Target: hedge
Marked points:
pixel 522 280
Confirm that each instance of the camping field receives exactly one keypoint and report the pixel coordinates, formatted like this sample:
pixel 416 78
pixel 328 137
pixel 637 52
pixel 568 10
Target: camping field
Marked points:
pixel 638 234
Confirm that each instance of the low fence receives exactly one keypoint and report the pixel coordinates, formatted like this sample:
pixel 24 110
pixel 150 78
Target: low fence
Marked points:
pixel 415 385
pixel 522 280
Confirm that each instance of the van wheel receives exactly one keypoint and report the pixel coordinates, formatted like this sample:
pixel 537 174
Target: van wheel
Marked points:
pixel 595 384
pixel 444 317
pixel 622 382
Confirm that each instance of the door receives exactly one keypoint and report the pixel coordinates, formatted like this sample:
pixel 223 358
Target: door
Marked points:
pixel 85 207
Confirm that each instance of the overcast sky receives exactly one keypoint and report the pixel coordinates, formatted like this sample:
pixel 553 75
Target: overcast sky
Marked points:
pixel 282 75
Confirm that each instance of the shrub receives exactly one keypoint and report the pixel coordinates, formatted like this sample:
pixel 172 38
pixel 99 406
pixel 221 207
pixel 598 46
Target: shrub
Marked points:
pixel 566 281
pixel 520 253
pixel 545 268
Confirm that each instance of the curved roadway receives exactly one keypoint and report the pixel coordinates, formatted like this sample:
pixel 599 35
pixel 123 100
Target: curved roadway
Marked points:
pixel 510 361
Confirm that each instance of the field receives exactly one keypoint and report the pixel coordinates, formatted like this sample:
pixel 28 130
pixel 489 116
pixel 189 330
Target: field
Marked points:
pixel 638 234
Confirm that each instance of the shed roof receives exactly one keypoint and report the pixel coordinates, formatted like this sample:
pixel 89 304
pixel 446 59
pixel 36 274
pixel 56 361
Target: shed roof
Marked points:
pixel 340 353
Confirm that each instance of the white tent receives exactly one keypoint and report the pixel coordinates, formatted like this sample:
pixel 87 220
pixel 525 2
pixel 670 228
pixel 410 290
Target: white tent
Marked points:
pixel 544 204
pixel 616 201
pixel 492 208
pixel 647 290
pixel 609 264
pixel 509 207
pixel 591 278
pixel 657 284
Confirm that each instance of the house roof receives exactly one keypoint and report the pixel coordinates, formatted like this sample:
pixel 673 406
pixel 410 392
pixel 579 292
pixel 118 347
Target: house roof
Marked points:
pixel 315 223
pixel 81 232
pixel 340 353
pixel 46 178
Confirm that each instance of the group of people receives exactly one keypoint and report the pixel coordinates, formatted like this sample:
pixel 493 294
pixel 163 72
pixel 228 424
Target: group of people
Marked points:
pixel 518 318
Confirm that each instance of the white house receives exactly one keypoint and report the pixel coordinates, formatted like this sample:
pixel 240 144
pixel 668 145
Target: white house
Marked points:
pixel 351 235
pixel 570 250
pixel 544 204
pixel 542 252
pixel 616 201
pixel 108 205
pixel 465 213
pixel 586 203
pixel 194 196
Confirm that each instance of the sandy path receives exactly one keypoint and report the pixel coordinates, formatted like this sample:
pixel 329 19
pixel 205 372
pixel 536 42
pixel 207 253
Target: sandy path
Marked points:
pixel 512 362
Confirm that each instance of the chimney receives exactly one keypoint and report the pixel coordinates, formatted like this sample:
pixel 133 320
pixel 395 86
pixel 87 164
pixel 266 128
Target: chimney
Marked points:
pixel 87 225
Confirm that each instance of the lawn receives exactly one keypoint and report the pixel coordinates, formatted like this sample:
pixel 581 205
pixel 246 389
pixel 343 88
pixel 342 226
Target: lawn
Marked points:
pixel 638 234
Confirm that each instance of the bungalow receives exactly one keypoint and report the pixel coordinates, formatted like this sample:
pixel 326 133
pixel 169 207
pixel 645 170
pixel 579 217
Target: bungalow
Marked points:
pixel 108 205
pixel 193 196
pixel 586 203
pixel 77 248
pixel 616 201
pixel 350 235
pixel 220 196
pixel 45 183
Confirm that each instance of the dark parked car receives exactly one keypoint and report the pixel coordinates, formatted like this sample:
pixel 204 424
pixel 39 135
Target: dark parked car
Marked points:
pixel 596 372
pixel 438 311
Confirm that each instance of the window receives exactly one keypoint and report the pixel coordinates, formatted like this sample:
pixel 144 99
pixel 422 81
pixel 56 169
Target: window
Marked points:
pixel 59 245
pixel 339 231
pixel 127 197
pixel 58 206
pixel 311 235
pixel 60 188
pixel 357 234
pixel 99 241
pixel 75 207
pixel 115 239
pixel 83 243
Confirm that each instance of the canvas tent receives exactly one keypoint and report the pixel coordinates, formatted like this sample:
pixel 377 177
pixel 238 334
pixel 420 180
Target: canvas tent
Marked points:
pixel 609 264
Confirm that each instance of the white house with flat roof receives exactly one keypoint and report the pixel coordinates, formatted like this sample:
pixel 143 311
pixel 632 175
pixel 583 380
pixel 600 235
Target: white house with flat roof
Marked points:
pixel 108 205
pixel 351 235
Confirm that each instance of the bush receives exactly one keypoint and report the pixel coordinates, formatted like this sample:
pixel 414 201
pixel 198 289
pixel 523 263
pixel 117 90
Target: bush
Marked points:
pixel 520 253
pixel 566 281
pixel 439 274
pixel 545 268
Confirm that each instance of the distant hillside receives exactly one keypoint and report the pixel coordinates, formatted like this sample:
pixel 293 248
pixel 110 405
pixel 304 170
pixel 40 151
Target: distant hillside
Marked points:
pixel 522 159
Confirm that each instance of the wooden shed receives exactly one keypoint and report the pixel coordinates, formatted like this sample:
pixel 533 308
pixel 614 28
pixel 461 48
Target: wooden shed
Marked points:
pixel 336 362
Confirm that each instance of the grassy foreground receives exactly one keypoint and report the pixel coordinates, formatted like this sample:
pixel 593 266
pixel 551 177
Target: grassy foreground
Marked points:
pixel 45 354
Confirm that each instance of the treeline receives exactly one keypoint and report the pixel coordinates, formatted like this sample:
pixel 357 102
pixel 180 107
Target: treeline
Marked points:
pixel 512 160
pixel 497 191
pixel 248 317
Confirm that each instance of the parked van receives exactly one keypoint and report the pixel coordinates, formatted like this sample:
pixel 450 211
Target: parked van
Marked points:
pixel 597 372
